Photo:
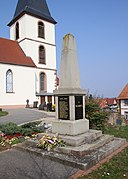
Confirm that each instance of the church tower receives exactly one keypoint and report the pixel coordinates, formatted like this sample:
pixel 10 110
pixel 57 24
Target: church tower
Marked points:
pixel 34 29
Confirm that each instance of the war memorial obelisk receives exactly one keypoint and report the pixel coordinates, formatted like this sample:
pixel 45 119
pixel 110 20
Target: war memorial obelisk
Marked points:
pixel 69 97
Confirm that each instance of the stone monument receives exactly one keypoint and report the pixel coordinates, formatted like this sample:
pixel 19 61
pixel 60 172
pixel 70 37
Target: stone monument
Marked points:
pixel 84 147
pixel 69 97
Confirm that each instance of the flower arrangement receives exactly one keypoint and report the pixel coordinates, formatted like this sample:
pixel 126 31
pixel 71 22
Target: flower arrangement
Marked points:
pixel 48 142
pixel 53 107
pixel 5 140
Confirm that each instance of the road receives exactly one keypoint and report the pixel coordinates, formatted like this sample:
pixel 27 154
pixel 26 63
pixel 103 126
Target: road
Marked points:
pixel 22 115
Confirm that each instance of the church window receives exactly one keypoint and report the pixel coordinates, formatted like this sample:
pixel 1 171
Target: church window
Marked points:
pixel 42 55
pixel 9 81
pixel 41 30
pixel 17 30
pixel 42 82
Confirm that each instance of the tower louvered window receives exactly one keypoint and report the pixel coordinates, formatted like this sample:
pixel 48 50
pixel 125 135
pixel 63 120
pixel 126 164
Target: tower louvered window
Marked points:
pixel 17 31
pixel 41 32
pixel 42 55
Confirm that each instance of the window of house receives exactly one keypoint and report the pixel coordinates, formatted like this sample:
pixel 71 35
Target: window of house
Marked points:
pixel 42 55
pixel 9 81
pixel 17 30
pixel 42 82
pixel 41 30
pixel 126 102
pixel 126 115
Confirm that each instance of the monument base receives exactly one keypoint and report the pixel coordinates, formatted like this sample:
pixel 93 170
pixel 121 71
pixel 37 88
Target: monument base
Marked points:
pixel 67 127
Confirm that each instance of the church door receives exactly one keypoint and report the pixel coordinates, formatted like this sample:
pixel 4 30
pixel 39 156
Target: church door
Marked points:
pixel 42 99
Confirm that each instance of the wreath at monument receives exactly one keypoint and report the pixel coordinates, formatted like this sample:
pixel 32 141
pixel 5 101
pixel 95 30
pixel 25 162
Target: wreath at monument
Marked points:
pixel 48 142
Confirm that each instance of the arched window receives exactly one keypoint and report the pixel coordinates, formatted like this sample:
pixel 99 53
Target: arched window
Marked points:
pixel 42 82
pixel 41 30
pixel 9 81
pixel 42 55
pixel 17 30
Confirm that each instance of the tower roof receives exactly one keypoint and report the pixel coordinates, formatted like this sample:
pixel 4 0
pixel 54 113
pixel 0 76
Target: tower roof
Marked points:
pixel 37 8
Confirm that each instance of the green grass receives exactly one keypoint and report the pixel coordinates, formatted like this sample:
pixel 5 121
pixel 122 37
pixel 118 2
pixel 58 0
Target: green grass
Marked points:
pixel 118 131
pixel 117 167
pixel 3 113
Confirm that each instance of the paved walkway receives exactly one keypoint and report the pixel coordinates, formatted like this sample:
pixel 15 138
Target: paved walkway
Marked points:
pixel 17 164
pixel 22 115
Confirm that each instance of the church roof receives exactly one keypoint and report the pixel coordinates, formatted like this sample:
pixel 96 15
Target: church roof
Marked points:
pixel 11 53
pixel 124 93
pixel 37 8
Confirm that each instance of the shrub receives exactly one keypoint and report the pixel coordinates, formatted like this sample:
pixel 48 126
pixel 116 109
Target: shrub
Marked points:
pixel 3 113
pixel 31 124
pixel 10 128
pixel 96 115
pixel 26 129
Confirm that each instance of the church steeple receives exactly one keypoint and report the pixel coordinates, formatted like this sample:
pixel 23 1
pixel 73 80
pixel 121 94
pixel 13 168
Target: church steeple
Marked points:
pixel 36 8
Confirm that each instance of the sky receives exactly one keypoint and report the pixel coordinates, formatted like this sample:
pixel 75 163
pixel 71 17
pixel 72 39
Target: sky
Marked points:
pixel 101 31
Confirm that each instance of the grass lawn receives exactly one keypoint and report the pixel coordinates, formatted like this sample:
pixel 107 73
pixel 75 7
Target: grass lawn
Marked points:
pixel 3 113
pixel 117 167
pixel 118 131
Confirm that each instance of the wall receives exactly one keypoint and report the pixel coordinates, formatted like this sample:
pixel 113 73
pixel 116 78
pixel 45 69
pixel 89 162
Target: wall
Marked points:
pixel 23 85
pixel 124 107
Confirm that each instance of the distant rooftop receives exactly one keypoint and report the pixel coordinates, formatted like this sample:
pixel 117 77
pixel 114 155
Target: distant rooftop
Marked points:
pixel 124 93
pixel 37 8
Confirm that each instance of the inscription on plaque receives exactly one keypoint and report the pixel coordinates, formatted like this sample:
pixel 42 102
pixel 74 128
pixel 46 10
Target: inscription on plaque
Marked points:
pixel 63 107
pixel 78 107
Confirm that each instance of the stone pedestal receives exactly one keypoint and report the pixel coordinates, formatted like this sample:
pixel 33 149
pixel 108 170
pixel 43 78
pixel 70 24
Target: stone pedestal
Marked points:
pixel 70 112
pixel 70 127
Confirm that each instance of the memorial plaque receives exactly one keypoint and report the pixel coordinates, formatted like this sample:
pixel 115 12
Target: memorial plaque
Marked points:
pixel 78 107
pixel 63 107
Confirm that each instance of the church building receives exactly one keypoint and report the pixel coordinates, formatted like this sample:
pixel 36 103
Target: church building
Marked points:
pixel 28 59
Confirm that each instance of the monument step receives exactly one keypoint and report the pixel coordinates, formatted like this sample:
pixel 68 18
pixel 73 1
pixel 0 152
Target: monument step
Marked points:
pixel 77 140
pixel 86 148
pixel 104 151
pixel 87 161
pixel 82 162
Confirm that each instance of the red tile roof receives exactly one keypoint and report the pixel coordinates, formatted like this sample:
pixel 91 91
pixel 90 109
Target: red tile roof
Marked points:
pixel 11 53
pixel 105 102
pixel 124 93
pixel 111 101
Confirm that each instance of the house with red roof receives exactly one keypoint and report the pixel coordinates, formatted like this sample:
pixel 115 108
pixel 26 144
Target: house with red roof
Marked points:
pixel 123 102
pixel 109 103
pixel 28 58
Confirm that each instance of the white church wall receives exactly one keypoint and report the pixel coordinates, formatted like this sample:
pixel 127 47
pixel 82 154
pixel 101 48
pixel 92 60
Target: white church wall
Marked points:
pixel 31 48
pixel 22 31
pixel 23 85
pixel 30 29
